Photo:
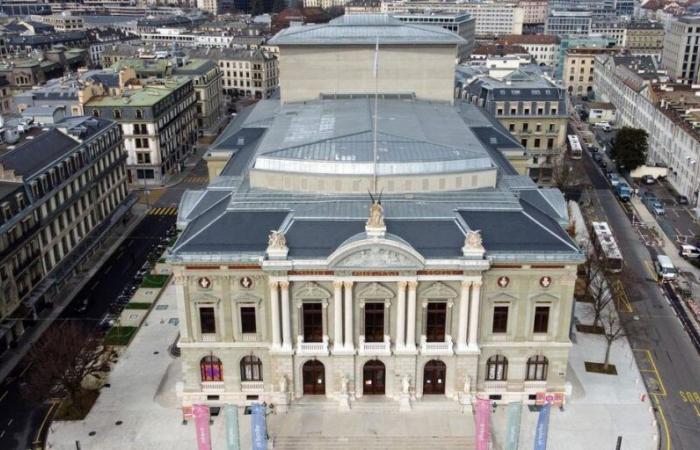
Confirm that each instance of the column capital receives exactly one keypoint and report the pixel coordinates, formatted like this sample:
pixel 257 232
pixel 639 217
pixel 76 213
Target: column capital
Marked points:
pixel 181 279
pixel 284 284
pixel 348 283
pixel 338 284
pixel 477 284
pixel 402 284
pixel 467 283
pixel 412 285
pixel 273 284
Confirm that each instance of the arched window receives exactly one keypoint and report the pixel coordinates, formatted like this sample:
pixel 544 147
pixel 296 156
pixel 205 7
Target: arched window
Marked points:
pixel 139 114
pixel 497 368
pixel 117 113
pixel 211 369
pixel 536 369
pixel 251 368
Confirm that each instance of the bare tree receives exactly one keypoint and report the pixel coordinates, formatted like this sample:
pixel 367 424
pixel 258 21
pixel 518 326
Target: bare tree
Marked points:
pixel 65 355
pixel 562 172
pixel 612 331
pixel 599 295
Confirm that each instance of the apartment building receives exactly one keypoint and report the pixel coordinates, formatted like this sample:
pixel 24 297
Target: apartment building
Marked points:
pixel 245 73
pixel 543 48
pixel 206 78
pixel 681 54
pixel 534 11
pixel 644 98
pixel 569 23
pixel 62 22
pixel 644 38
pixel 159 124
pixel 579 69
pixel 461 24
pixel 210 6
pixel 524 101
pixel 60 193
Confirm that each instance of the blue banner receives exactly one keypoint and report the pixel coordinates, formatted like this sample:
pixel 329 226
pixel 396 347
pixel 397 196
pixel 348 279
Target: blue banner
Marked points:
pixel 233 441
pixel 513 428
pixel 258 427
pixel 542 427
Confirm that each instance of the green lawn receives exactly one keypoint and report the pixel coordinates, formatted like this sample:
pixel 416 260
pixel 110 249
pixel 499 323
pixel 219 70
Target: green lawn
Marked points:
pixel 138 305
pixel 120 335
pixel 154 281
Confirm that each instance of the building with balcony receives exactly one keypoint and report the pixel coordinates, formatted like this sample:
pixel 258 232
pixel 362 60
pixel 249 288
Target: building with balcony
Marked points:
pixel 159 123
pixel 61 192
pixel 458 281
pixel 528 104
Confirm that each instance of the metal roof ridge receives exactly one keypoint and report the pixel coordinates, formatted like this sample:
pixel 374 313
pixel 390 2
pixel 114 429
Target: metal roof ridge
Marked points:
pixel 568 244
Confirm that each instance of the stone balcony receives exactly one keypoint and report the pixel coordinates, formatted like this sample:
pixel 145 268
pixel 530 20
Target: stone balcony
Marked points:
pixel 312 348
pixel 375 348
pixel 213 386
pixel 209 337
pixel 534 386
pixel 436 348
pixel 252 386
pixel 496 386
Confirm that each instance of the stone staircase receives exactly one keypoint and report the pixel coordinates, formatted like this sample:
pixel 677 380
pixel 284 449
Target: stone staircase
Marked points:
pixel 372 443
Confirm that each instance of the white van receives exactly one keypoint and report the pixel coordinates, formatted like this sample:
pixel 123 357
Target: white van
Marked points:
pixel 605 126
pixel 665 269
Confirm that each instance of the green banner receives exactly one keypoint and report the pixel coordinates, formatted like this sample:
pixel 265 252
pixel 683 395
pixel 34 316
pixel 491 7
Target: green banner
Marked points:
pixel 232 439
pixel 513 427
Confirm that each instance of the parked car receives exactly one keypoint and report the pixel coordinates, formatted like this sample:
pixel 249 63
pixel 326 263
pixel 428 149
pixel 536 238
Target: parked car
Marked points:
pixel 597 157
pixel 107 322
pixel 656 208
pixel 689 251
pixel 602 164
pixel 614 178
pixel 648 179
pixel 682 200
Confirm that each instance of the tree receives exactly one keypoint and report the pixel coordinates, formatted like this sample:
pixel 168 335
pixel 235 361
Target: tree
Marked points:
pixel 612 331
pixel 630 148
pixel 63 358
pixel 278 5
pixel 599 294
pixel 562 172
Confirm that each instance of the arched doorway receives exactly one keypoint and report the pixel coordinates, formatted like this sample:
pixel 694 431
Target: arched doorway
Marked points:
pixel 314 378
pixel 373 378
pixel 434 377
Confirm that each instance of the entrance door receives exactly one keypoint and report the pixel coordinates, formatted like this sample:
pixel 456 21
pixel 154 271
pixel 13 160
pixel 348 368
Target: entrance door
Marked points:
pixel 373 376
pixel 434 377
pixel 314 378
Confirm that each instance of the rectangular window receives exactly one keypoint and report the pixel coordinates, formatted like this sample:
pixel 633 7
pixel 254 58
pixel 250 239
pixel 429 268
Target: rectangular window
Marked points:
pixel 374 322
pixel 541 319
pixel 312 314
pixel 207 320
pixel 511 127
pixel 435 322
pixel 248 319
pixel 500 319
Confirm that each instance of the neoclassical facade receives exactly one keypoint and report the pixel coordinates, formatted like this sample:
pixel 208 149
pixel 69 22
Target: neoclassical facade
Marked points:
pixel 453 278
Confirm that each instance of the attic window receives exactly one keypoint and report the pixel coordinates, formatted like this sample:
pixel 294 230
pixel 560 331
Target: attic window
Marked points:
pixel 117 114
pixel 139 114
pixel 95 113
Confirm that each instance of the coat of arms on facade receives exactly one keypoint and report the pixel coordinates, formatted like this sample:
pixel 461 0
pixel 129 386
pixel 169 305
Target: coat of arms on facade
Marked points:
pixel 546 281
pixel 503 281
pixel 246 282
pixel 204 282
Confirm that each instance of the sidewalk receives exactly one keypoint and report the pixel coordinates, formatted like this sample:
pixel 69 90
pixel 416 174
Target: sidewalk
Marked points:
pixel 601 407
pixel 175 179
pixel 115 237
pixel 140 410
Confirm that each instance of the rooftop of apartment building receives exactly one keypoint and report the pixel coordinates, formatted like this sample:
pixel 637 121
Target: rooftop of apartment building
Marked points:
pixel 151 93
pixel 195 66
pixel 509 82
pixel 44 39
pixel 542 39
pixel 158 67
pixel 499 50
pixel 230 54
pixel 67 87
pixel 580 50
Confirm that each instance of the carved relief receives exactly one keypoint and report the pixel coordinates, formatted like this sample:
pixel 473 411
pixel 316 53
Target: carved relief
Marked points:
pixel 375 290
pixel 276 240
pixel 377 257
pixel 311 290
pixel 439 290
pixel 473 240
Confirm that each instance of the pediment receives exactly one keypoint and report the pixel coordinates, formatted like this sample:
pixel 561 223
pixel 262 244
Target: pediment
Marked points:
pixel 376 254
pixel 544 297
pixel 375 290
pixel 246 298
pixel 311 290
pixel 502 296
pixel 439 290
pixel 204 298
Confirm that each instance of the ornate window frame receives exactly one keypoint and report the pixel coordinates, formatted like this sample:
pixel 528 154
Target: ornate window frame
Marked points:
pixel 206 300
pixel 311 292
pixel 437 292
pixel 248 299
pixel 375 292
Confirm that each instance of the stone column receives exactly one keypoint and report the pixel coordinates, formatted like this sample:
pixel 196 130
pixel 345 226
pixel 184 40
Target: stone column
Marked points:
pixel 463 316
pixel 401 316
pixel 275 314
pixel 348 316
pixel 286 322
pixel 337 315
pixel 411 317
pixel 474 314
pixel 185 327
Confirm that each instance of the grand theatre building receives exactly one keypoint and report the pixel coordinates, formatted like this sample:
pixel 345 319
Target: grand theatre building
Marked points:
pixel 350 246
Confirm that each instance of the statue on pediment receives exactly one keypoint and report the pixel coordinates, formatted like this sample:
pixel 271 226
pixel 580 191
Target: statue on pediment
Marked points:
pixel 376 215
pixel 276 240
pixel 473 240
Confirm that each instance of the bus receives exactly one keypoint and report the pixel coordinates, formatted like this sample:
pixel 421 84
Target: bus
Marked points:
pixel 606 246
pixel 575 147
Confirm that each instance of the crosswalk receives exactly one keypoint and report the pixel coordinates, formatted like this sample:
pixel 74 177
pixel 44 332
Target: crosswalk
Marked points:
pixel 196 179
pixel 162 211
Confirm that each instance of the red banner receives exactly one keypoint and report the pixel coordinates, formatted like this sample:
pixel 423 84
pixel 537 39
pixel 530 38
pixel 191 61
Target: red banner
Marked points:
pixel 553 398
pixel 483 418
pixel 201 426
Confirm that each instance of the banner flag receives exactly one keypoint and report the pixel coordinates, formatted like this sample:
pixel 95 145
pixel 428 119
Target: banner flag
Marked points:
pixel 201 426
pixel 258 427
pixel 233 441
pixel 482 417
pixel 542 427
pixel 513 429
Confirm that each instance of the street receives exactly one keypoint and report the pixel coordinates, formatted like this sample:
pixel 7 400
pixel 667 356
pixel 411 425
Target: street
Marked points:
pixel 663 350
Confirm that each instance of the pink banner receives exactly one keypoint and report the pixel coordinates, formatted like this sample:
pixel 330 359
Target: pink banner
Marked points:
pixel 201 426
pixel 482 417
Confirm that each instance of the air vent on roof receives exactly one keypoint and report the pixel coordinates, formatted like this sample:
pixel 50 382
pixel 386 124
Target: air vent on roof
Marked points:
pixel 493 140
pixel 240 141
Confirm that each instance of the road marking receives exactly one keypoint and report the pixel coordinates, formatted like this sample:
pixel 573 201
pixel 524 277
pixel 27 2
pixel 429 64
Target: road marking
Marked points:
pixel 130 242
pixel 43 423
pixel 697 412
pixel 25 369
pixel 2 434
pixel 97 283
pixel 663 422
pixel 650 268
pixel 690 396
pixel 108 269
pixel 658 375
pixel 622 295
pixel 2 397
pixel 9 422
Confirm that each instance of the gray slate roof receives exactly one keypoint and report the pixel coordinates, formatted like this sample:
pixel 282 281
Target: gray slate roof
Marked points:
pixel 366 29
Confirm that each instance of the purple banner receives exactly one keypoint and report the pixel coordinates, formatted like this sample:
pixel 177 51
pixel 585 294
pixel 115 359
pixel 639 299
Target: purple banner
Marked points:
pixel 483 418
pixel 542 427
pixel 201 426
